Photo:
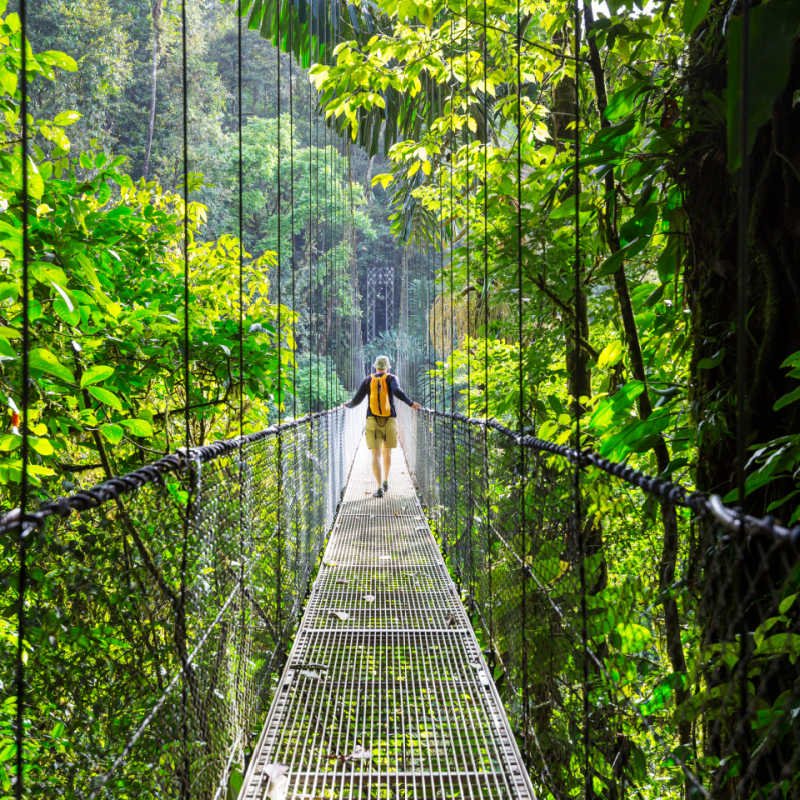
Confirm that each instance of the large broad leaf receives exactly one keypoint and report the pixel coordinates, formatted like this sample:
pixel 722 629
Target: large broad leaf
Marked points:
pixel 311 30
pixel 42 360
pixel 112 432
pixel 774 27
pixel 308 28
pixel 138 427
pixel 694 12
pixel 105 397
pixel 96 374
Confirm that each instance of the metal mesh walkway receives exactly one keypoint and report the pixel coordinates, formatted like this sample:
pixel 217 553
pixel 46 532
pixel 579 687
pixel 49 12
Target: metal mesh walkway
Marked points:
pixel 386 693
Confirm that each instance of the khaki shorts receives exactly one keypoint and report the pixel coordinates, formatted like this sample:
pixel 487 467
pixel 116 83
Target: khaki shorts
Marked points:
pixel 381 430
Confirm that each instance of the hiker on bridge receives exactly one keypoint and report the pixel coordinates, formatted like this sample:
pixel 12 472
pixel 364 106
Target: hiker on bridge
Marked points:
pixel 381 430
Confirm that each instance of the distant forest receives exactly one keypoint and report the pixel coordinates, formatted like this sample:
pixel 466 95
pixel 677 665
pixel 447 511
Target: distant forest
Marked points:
pixel 128 89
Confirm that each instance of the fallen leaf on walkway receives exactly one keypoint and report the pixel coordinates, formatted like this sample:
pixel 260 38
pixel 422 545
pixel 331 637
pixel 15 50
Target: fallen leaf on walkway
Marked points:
pixel 309 665
pixel 369 598
pixel 359 754
pixel 385 558
pixel 278 785
pixel 310 674
pixel 342 615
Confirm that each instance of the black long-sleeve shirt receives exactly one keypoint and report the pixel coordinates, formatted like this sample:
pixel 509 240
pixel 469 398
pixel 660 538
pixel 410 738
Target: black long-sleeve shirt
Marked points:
pixel 394 391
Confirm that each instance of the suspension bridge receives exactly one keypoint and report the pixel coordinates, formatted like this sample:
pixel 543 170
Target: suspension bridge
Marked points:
pixel 516 618
pixel 385 690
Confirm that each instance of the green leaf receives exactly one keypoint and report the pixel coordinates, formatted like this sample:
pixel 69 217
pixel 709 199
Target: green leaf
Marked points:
pixel 138 427
pixel 623 101
pixel 384 179
pixel 70 315
pixel 640 225
pixel 235 782
pixel 633 638
pixel 55 58
pixel 112 432
pixel 42 360
pixel 66 118
pixel 780 644
pixel 8 82
pixel 713 361
pixel 610 355
pixel 787 399
pixel 96 374
pixel 9 442
pixel 694 11
pixel 104 396
pixel 6 350
pixel 9 291
pixel 787 603
pixel 43 447
pixel 613 263
pixel 35 182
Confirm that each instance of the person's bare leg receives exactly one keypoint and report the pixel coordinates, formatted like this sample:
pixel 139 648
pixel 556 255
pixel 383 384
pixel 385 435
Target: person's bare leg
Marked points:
pixel 376 465
pixel 387 462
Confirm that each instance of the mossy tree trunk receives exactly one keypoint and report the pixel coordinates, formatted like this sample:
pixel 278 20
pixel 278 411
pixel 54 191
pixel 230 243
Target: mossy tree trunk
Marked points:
pixel 745 578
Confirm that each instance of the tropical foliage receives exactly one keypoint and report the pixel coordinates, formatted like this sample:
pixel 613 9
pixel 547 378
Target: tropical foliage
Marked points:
pixel 577 172
pixel 565 159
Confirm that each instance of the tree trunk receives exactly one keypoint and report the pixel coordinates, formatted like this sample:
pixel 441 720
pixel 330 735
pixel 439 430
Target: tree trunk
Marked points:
pixel 670 541
pixel 745 577
pixel 151 121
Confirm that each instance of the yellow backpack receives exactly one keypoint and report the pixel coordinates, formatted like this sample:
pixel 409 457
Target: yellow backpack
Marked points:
pixel 379 403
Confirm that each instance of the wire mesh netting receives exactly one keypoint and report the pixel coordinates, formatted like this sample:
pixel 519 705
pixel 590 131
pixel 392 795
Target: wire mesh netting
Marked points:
pixel 386 693
pixel 639 650
pixel 149 662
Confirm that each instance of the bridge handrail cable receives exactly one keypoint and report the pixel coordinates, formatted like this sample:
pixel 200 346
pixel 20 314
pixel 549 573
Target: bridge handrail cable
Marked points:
pixel 153 472
pixel 700 503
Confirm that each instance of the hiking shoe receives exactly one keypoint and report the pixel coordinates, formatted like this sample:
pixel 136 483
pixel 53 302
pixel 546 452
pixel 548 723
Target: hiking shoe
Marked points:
pixel 378 492
pixel 386 486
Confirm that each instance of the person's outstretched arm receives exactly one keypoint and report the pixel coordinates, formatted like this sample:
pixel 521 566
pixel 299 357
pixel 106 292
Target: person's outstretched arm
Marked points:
pixel 399 393
pixel 360 394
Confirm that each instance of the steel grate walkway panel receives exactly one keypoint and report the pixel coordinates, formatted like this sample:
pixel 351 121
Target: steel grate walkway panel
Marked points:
pixel 375 598
pixel 385 693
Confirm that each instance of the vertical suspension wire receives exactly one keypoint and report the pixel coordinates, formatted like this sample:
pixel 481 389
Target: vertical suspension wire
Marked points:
pixel 279 214
pixel 742 364
pixel 521 374
pixel 186 776
pixel 451 289
pixel 438 299
pixel 279 521
pixel 25 397
pixel 486 386
pixel 448 291
pixel 451 209
pixel 578 409
pixel 240 211
pixel 325 249
pixel 468 335
pixel 317 229
pixel 467 183
pixel 241 472
pixel 355 325
pixel 310 242
pixel 742 273
pixel 333 191
pixel 327 229
pixel 438 340
pixel 293 254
